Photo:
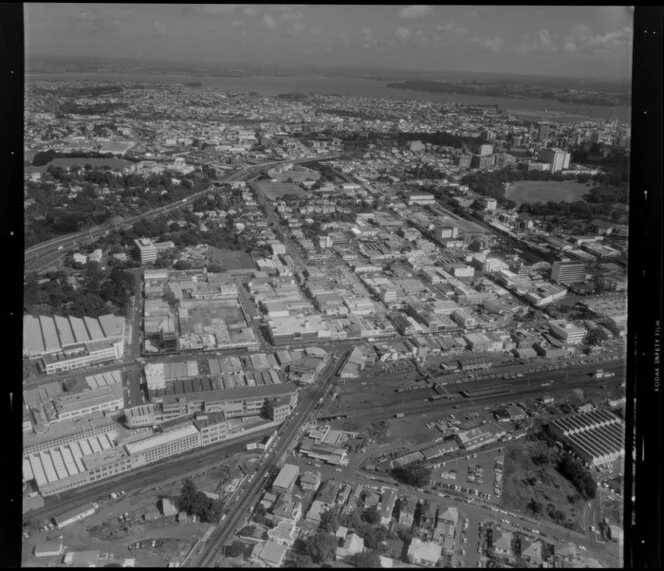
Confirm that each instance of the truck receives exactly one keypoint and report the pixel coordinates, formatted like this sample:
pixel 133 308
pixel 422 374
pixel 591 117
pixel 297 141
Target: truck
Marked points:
pixel 399 415
pixel 601 374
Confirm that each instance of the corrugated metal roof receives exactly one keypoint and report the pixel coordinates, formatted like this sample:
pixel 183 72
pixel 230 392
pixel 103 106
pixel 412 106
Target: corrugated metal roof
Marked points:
pixel 152 442
pixel 64 331
pixel 33 343
pixel 51 340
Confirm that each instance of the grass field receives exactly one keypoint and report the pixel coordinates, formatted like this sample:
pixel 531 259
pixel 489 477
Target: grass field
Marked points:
pixel 543 191
pixel 231 259
pixel 524 480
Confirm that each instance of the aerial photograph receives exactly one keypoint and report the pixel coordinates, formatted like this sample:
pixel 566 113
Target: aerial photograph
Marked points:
pixel 325 285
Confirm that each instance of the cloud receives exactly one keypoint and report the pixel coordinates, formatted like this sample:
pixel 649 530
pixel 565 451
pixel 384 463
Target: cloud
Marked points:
pixel 216 9
pixel 543 42
pixel 297 28
pixel 249 11
pixel 545 39
pixel 98 22
pixel 85 16
pixel 159 29
pixel 415 11
pixel 581 31
pixel 451 27
pixel 291 16
pixel 581 40
pixel 269 22
pixel 237 24
pixel 402 34
pixel 494 45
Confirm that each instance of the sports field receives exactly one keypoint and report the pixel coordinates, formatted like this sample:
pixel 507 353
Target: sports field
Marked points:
pixel 543 191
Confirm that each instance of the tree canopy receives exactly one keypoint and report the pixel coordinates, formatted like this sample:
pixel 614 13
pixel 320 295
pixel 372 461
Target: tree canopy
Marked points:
pixel 578 475
pixel 416 475
pixel 194 502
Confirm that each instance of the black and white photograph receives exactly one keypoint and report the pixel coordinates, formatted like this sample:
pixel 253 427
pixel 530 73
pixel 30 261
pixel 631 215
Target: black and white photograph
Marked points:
pixel 326 286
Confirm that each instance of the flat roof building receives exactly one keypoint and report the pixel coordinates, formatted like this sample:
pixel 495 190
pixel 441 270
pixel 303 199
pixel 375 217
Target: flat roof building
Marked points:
pixel 286 479
pixel 146 249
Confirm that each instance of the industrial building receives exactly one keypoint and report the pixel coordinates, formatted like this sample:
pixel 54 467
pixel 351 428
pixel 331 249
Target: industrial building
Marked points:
pixel 103 399
pixel 480 436
pixel 596 437
pixel 74 515
pixel 93 458
pixel 68 336
pixel 235 402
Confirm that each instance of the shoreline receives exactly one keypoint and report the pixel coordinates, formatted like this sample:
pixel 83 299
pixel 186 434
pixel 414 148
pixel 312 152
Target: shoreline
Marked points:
pixel 349 87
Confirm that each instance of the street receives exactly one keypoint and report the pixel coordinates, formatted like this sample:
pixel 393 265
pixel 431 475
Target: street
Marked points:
pixel 286 434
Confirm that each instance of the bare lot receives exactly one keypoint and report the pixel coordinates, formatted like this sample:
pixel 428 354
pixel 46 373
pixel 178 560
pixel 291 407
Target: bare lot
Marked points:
pixel 537 484
pixel 203 315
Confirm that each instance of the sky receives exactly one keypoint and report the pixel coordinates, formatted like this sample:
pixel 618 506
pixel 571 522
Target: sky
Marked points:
pixel 568 41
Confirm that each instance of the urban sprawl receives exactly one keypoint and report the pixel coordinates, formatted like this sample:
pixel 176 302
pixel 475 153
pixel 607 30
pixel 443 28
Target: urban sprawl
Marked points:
pixel 305 330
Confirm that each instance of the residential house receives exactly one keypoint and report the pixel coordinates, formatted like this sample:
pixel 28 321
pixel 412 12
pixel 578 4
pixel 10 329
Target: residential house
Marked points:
pixel 424 553
pixel 532 552
pixel 352 545
pixel 502 545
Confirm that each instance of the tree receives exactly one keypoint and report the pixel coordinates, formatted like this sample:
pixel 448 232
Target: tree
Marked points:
pixel 182 265
pixel 595 337
pixel 235 549
pixel 416 475
pixel 43 158
pixel 215 268
pixel 366 560
pixel 578 475
pixel 534 506
pixel 321 547
pixel 371 516
pixel 329 521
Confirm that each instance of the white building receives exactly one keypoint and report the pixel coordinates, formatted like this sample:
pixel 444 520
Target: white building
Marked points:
pixel 146 249
pixel 567 332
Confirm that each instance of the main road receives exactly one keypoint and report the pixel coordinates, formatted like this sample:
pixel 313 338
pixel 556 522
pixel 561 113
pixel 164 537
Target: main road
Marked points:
pixel 46 253
pixel 274 459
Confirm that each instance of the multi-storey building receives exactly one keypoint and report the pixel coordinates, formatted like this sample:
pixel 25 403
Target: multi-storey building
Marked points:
pixel 146 250
pixel 567 332
pixel 568 272
pixel 107 398
pixel 236 402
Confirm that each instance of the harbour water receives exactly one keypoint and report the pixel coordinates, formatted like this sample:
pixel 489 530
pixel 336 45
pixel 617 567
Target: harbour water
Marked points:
pixel 549 109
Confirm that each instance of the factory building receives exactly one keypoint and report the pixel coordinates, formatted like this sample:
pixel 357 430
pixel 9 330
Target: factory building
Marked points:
pixel 480 436
pixel 64 338
pixel 596 437
pixel 108 398
pixel 236 402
